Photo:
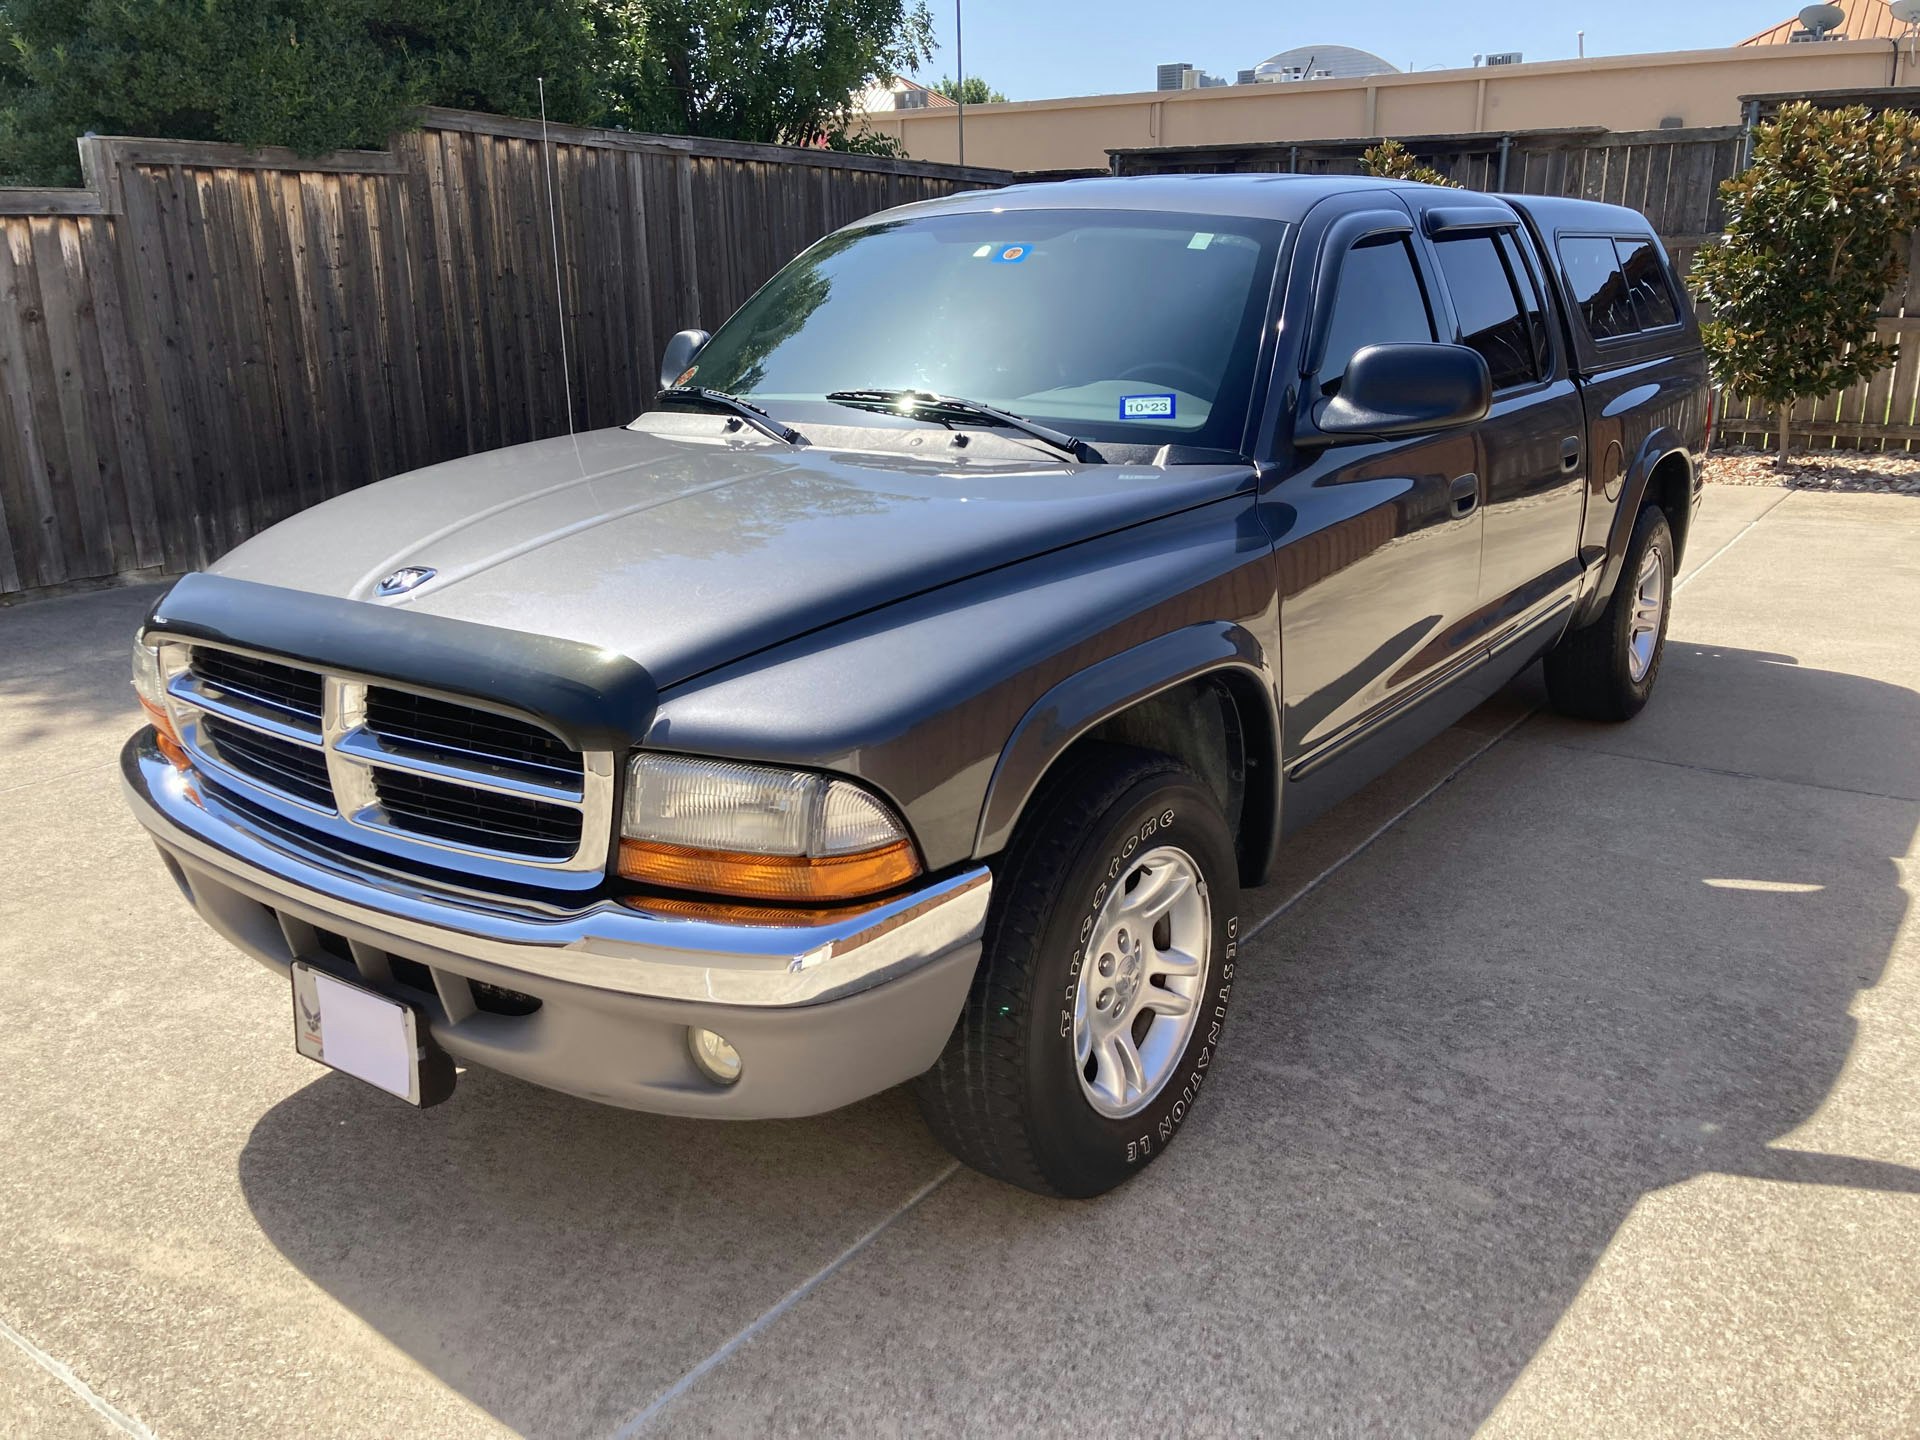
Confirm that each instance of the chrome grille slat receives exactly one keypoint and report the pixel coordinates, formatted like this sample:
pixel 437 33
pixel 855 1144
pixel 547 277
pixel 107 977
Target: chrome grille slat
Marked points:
pixel 444 811
pixel 497 779
pixel 217 700
pixel 431 774
pixel 402 716
pixel 285 688
pixel 264 760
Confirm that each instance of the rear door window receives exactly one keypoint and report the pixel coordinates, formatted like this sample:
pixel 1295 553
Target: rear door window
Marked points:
pixel 1380 301
pixel 1487 298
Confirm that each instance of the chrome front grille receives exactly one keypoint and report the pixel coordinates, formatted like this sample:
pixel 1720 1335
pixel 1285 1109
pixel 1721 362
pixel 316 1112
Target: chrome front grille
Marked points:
pixel 414 775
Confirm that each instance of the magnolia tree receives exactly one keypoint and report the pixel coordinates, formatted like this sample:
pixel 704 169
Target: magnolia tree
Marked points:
pixel 1816 235
pixel 1393 161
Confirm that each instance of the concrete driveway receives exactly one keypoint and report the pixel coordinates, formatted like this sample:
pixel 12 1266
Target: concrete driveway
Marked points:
pixel 1571 1089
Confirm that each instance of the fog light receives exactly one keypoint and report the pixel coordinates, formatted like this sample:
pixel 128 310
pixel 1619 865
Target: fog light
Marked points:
pixel 717 1060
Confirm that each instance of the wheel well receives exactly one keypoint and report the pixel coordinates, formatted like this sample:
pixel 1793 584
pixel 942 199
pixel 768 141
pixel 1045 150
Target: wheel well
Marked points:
pixel 1218 727
pixel 1671 488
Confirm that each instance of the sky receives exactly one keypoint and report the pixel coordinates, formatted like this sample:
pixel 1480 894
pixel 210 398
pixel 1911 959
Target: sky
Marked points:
pixel 1032 49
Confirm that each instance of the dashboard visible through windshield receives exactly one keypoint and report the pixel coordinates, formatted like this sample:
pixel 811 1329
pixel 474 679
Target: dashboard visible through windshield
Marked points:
pixel 1129 326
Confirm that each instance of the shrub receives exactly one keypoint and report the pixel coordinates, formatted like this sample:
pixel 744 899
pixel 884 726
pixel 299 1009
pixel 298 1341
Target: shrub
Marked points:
pixel 1393 161
pixel 1816 231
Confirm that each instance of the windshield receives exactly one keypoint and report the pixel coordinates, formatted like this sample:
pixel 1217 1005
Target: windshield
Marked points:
pixel 1119 325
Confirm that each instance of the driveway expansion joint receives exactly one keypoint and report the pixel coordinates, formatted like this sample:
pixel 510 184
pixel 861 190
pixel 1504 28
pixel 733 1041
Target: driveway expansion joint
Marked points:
pixel 1548 744
pixel 638 1423
pixel 93 1399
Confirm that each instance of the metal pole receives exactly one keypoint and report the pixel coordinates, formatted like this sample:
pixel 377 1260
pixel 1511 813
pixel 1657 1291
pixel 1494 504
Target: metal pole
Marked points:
pixel 960 96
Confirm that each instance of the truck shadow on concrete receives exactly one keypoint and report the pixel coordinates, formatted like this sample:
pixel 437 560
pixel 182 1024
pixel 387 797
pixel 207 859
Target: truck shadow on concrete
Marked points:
pixel 1569 980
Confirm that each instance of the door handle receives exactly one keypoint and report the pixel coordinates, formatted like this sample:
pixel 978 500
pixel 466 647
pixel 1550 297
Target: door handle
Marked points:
pixel 1465 494
pixel 1570 453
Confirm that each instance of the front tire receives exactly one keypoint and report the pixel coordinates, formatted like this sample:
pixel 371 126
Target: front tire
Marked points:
pixel 1108 965
pixel 1606 670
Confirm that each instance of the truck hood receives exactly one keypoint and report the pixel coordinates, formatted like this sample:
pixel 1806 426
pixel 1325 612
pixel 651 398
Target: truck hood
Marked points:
pixel 685 551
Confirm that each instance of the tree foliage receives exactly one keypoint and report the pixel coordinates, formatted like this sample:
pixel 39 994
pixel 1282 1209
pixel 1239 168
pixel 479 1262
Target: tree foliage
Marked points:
pixel 321 75
pixel 1393 161
pixel 315 74
pixel 1815 234
pixel 970 91
pixel 784 71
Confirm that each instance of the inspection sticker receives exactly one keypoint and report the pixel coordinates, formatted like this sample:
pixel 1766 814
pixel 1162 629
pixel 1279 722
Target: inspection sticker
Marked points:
pixel 1146 407
pixel 1011 254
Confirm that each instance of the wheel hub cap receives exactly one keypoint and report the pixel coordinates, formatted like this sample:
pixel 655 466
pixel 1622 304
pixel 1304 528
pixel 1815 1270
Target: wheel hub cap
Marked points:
pixel 1649 608
pixel 1141 978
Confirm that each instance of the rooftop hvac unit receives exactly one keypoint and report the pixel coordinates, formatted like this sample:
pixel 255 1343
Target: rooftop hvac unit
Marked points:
pixel 1503 57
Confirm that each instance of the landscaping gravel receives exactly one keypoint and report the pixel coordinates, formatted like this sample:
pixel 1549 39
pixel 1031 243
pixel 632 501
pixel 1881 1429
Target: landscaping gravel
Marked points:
pixel 1887 473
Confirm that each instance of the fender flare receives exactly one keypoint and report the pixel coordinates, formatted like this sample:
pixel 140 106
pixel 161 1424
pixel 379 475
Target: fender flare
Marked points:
pixel 1076 704
pixel 1660 444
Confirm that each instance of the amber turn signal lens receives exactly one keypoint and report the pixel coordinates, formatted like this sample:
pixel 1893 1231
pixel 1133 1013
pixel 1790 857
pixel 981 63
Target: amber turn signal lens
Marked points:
pixel 164 735
pixel 770 877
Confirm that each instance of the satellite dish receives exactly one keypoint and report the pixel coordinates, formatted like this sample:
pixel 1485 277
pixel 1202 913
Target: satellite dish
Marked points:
pixel 1907 12
pixel 1819 19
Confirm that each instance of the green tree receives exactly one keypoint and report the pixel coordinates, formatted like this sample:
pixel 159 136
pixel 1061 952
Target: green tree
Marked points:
pixel 970 91
pixel 321 75
pixel 1816 235
pixel 313 74
pixel 1393 161
pixel 783 72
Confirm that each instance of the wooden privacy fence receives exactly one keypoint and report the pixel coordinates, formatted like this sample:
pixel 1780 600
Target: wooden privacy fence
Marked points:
pixel 1671 176
pixel 205 340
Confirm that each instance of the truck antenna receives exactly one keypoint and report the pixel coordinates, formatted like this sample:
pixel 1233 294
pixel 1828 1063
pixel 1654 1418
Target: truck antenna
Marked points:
pixel 553 232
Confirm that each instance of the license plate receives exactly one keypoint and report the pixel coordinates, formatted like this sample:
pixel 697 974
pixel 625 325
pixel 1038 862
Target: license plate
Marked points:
pixel 361 1033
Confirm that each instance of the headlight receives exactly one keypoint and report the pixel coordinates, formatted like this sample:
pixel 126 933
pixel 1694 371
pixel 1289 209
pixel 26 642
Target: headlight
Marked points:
pixel 150 686
pixel 146 675
pixel 759 832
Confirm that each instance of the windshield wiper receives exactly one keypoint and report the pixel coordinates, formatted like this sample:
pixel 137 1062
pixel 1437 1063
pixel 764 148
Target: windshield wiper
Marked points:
pixel 925 405
pixel 735 406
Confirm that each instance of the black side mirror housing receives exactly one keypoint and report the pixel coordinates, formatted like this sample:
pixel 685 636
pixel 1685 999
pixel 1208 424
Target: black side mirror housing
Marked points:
pixel 1406 389
pixel 682 350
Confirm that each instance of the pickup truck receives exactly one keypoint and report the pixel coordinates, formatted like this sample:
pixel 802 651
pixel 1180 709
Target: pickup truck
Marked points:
pixel 911 693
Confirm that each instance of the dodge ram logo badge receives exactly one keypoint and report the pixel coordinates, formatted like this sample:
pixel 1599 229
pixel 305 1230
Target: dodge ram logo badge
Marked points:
pixel 407 577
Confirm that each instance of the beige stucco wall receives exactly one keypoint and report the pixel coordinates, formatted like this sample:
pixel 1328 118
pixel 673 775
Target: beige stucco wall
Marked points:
pixel 1620 92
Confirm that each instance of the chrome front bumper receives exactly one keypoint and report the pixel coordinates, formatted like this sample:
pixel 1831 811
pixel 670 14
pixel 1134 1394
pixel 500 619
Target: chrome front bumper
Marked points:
pixel 835 1010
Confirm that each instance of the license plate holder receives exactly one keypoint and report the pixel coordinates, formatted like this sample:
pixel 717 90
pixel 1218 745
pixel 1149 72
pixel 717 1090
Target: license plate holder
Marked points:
pixel 372 1037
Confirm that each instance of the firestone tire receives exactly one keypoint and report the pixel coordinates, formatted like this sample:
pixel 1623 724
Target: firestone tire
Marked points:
pixel 1606 670
pixel 1123 872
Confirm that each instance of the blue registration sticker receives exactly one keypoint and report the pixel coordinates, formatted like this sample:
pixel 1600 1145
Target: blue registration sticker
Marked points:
pixel 1011 254
pixel 1146 407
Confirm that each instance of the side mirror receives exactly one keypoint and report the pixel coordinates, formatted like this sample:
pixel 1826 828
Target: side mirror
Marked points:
pixel 1407 389
pixel 682 350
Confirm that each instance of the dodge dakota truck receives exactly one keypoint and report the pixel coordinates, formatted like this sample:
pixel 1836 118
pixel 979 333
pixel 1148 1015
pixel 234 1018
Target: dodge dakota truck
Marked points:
pixel 909 694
